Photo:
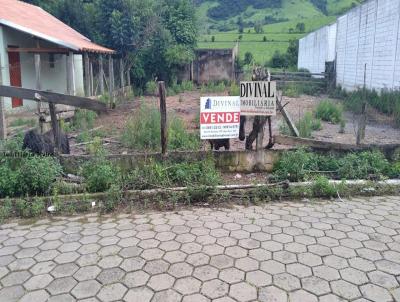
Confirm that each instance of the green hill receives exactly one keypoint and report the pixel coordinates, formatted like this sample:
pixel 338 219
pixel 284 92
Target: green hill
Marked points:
pixel 276 21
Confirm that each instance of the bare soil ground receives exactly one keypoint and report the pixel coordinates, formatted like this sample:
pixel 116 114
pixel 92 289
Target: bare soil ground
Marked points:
pixel 379 130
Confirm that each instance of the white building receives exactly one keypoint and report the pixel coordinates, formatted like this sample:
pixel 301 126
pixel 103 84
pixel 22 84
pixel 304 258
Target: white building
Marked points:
pixel 367 45
pixel 35 52
pixel 317 48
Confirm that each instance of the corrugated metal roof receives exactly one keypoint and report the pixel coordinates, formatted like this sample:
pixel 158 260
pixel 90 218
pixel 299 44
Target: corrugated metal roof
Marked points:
pixel 34 20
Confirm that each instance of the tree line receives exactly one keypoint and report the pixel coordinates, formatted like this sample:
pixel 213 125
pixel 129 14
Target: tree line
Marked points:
pixel 156 37
pixel 230 8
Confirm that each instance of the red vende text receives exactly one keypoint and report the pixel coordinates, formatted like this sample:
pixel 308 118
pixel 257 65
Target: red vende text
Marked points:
pixel 220 118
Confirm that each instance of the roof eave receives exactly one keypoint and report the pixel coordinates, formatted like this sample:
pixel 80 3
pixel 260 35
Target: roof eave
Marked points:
pixel 51 39
pixel 38 34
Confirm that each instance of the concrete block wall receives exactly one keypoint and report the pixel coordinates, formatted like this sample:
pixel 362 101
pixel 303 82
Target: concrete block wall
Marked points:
pixel 317 48
pixel 367 45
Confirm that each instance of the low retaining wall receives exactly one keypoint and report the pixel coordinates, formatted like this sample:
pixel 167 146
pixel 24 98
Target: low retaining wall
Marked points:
pixel 226 161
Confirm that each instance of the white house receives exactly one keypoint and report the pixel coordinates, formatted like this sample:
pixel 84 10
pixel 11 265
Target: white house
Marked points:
pixel 38 51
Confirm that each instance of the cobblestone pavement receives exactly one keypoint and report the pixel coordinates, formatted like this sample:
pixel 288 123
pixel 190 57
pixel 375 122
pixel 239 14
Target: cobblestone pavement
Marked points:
pixel 325 251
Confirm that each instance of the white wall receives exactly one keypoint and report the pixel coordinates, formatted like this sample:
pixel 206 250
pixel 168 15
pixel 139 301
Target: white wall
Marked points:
pixel 317 48
pixel 52 78
pixel 367 45
pixel 368 40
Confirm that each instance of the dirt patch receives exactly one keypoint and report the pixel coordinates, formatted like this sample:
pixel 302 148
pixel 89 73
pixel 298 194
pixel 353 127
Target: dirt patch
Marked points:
pixel 379 129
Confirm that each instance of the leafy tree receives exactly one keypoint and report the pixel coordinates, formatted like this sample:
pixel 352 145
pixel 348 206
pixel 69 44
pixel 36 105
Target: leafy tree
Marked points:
pixel 301 27
pixel 248 58
pixel 258 28
pixel 156 37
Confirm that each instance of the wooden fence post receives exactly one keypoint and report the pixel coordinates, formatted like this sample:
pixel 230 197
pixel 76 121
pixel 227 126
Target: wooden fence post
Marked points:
pixel 163 111
pixel 3 125
pixel 55 126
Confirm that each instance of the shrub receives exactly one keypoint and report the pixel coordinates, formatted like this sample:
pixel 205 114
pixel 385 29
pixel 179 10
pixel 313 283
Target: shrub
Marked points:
pixel 114 197
pixel 143 131
pixel 234 89
pixel 301 165
pixel 8 181
pixel 37 175
pixel 6 209
pixel 293 165
pixel 151 88
pixel 100 174
pixel 329 112
pixel 164 174
pixel 363 165
pixel 322 188
pixel 387 102
pixel 308 124
pixel 179 138
pixel 83 119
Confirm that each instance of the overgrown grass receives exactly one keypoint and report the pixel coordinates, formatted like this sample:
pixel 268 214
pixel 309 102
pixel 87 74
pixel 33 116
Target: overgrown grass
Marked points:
pixel 214 87
pixel 83 119
pixel 169 174
pixel 301 165
pixel 308 124
pixel 142 132
pixel 23 122
pixel 297 89
pixel 328 111
pixel 100 174
pixel 386 102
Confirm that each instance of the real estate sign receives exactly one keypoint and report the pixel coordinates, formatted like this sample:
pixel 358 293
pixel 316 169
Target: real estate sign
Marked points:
pixel 258 98
pixel 219 117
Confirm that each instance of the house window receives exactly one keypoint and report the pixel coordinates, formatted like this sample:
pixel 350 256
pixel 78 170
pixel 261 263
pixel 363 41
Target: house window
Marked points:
pixel 51 60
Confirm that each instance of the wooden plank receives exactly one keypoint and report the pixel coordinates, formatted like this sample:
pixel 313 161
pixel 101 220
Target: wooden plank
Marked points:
pixel 286 116
pixel 163 111
pixel 3 124
pixel 51 97
pixel 55 126
pixel 101 74
pixel 38 50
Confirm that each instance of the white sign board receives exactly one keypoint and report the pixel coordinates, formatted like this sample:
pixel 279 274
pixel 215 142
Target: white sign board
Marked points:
pixel 219 117
pixel 258 98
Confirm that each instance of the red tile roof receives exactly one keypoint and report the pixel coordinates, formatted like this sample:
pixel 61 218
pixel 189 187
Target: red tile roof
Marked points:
pixel 34 20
